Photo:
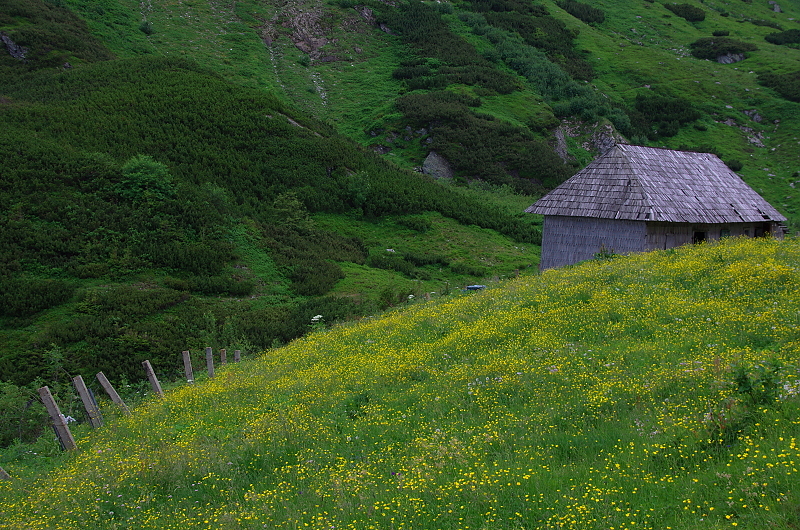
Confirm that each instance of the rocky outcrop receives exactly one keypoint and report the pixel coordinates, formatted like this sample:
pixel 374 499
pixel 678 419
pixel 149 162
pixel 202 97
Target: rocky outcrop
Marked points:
pixel 437 166
pixel 604 138
pixel 753 115
pixel 775 7
pixel 14 50
pixel 730 58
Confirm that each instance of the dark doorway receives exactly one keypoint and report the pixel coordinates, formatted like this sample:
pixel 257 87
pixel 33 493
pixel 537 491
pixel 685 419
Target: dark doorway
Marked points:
pixel 699 237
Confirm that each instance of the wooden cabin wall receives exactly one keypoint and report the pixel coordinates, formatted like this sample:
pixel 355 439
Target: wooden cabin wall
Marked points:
pixel 668 235
pixel 568 240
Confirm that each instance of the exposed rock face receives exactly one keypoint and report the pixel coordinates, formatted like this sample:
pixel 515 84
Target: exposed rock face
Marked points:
pixel 775 7
pixel 561 144
pixel 604 138
pixel 730 58
pixel 367 14
pixel 437 166
pixel 14 50
pixel 753 115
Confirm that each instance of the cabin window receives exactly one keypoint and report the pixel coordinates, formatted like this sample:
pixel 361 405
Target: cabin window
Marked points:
pixel 725 232
pixel 699 237
pixel 747 232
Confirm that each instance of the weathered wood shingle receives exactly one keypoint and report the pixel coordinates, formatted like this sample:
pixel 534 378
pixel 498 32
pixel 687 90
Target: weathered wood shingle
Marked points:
pixel 649 184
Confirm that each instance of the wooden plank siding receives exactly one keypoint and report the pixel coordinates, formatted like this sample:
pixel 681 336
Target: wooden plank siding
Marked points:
pixel 568 240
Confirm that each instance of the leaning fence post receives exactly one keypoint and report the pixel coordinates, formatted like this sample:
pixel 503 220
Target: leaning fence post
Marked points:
pixel 4 475
pixel 210 362
pixel 111 392
pixel 151 375
pixel 187 366
pixel 223 356
pixel 59 421
pixel 237 355
pixel 95 419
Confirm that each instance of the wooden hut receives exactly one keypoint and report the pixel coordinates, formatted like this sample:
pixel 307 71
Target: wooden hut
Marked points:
pixel 634 199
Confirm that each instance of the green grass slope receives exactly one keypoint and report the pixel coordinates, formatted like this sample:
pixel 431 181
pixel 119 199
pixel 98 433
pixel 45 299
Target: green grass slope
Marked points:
pixel 653 391
pixel 334 60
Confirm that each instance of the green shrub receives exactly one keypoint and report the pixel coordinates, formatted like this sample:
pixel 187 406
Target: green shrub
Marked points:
pixel 661 115
pixel 423 259
pixel 481 145
pixel 713 47
pixel 456 60
pixel 766 23
pixel 23 297
pixel 687 11
pixel 734 165
pixel 721 33
pixel 415 222
pixel 583 12
pixel 787 85
pixel 143 178
pixel 791 36
pixel 390 261
pixel 24 417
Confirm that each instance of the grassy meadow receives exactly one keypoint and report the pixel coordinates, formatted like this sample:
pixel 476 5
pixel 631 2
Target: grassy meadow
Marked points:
pixel 653 391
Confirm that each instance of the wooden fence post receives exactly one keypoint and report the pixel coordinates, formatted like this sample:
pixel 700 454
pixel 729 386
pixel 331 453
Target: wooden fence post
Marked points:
pixel 187 366
pixel 95 418
pixel 223 356
pixel 210 362
pixel 237 355
pixel 59 421
pixel 4 475
pixel 112 393
pixel 151 375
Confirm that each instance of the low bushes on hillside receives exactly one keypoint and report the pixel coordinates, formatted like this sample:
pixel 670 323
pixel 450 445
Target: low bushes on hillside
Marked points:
pixel 687 11
pixel 791 36
pixel 450 58
pixel 712 48
pixel 787 85
pixel 658 115
pixel 584 12
pixel 479 145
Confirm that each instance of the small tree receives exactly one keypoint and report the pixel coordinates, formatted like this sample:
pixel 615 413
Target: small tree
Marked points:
pixel 143 178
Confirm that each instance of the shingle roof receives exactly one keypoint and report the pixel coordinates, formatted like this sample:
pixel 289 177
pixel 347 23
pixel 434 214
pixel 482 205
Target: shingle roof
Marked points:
pixel 650 184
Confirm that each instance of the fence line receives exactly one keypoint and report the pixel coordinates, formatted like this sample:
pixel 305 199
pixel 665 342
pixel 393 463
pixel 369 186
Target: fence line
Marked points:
pixel 60 426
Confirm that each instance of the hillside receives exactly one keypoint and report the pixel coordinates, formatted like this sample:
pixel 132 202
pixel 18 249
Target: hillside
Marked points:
pixel 654 391
pixel 154 206
pixel 532 79
pixel 193 173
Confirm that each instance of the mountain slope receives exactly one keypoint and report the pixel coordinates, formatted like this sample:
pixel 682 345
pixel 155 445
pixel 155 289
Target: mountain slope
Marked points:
pixel 339 61
pixel 651 391
pixel 155 206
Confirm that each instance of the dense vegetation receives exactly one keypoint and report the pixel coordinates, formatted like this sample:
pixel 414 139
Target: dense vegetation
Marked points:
pixel 621 392
pixel 147 168
pixel 787 85
pixel 687 11
pixel 585 12
pixel 791 36
pixel 152 205
pixel 712 48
